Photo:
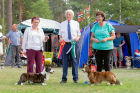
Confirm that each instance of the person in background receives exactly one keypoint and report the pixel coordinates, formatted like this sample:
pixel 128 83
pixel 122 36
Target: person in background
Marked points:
pixel 33 45
pixel 118 43
pixel 69 31
pixel 15 39
pixel 1 45
pixel 102 36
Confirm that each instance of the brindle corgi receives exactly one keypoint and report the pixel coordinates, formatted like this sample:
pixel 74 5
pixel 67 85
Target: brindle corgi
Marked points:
pixel 35 77
pixel 98 77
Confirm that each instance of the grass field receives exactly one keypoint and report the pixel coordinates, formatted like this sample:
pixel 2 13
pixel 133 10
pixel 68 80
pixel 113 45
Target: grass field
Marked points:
pixel 9 76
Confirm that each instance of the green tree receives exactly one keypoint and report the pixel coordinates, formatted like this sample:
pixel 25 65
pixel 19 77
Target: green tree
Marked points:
pixel 40 8
pixel 127 11
pixel 58 7
pixel 78 6
pixel 31 8
pixel 9 15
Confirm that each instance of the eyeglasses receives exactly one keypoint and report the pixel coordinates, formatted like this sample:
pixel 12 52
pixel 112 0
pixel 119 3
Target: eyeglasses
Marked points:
pixel 98 16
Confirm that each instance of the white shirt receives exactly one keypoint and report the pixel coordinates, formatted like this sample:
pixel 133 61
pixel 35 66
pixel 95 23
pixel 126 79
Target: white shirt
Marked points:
pixel 1 45
pixel 33 39
pixel 75 30
pixel 36 42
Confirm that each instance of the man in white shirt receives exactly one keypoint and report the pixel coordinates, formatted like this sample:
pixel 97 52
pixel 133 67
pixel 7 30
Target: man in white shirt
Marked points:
pixel 69 31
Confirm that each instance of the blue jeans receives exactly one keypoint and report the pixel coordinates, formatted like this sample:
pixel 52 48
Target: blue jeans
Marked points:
pixel 119 49
pixel 65 60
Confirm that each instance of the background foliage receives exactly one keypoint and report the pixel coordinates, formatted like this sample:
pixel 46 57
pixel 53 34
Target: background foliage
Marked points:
pixel 55 9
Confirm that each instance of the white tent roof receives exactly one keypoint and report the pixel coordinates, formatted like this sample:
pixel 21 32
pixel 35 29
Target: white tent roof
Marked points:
pixel 0 27
pixel 44 23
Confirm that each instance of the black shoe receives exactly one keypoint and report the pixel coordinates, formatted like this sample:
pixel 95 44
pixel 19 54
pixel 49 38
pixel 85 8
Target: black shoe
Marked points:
pixel 75 81
pixel 19 66
pixel 62 82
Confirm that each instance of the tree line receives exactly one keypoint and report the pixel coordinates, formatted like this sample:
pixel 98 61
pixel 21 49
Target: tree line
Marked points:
pixel 16 11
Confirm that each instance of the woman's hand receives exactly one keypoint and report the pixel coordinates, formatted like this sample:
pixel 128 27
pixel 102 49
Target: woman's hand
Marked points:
pixel 96 40
pixel 93 38
pixel 60 40
pixel 46 38
pixel 104 40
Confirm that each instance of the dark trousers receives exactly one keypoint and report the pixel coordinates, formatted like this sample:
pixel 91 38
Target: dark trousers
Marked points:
pixel 34 56
pixel 15 55
pixel 103 59
pixel 65 63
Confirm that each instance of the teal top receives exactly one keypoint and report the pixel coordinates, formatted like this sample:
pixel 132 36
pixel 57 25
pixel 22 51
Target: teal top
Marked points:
pixel 102 32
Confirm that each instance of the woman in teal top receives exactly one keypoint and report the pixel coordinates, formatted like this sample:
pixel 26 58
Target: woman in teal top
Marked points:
pixel 102 36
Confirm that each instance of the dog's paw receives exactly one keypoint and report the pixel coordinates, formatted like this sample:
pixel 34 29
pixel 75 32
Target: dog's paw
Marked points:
pixel 44 84
pixel 2 67
pixel 22 84
pixel 30 82
pixel 121 84
pixel 112 84
pixel 16 83
pixel 108 84
pixel 91 84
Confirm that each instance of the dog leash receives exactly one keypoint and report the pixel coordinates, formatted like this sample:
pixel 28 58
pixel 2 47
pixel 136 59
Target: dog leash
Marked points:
pixel 72 48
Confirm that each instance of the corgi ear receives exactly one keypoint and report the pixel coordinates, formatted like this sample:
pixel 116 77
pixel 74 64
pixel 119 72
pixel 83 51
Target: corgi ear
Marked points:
pixel 89 65
pixel 83 64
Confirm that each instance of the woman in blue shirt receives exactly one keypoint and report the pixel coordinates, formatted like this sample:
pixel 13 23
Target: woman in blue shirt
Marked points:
pixel 102 36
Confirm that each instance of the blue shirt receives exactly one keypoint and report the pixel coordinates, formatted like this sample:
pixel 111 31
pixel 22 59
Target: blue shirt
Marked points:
pixel 102 33
pixel 118 41
pixel 0 39
pixel 15 37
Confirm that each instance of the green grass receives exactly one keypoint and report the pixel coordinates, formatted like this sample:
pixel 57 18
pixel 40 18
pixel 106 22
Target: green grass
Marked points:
pixel 9 76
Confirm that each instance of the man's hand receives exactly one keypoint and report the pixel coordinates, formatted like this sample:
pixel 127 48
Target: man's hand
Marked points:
pixel 76 39
pixel 120 45
pixel 9 41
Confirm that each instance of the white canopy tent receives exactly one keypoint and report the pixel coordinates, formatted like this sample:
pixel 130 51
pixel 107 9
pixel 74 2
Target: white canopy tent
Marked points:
pixel 0 27
pixel 45 24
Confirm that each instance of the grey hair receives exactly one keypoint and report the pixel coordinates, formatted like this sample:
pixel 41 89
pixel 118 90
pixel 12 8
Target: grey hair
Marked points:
pixel 69 10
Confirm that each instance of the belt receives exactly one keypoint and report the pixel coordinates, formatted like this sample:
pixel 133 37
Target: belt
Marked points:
pixel 68 42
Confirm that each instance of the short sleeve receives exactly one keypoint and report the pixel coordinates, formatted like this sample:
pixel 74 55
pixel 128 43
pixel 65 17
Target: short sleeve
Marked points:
pixel 122 38
pixel 93 28
pixel 110 28
pixel 78 28
pixel 60 31
pixel 21 35
pixel 8 34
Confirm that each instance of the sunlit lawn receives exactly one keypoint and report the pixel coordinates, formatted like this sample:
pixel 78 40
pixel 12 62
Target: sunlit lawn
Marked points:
pixel 9 76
